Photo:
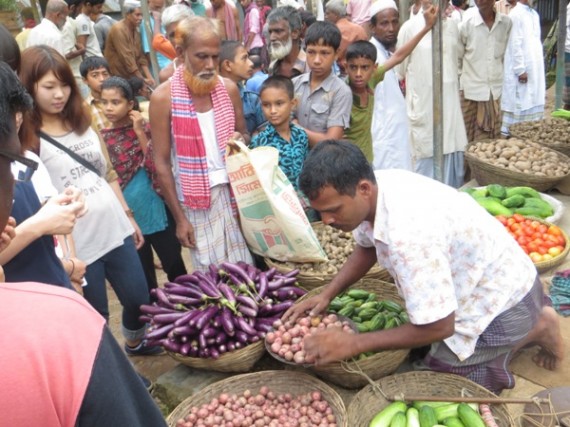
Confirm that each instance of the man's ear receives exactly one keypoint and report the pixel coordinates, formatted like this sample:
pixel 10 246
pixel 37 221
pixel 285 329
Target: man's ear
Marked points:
pixel 364 187
pixel 226 65
pixel 296 34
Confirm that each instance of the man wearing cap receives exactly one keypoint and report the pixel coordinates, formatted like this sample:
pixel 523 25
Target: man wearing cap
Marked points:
pixel 123 48
pixel 389 121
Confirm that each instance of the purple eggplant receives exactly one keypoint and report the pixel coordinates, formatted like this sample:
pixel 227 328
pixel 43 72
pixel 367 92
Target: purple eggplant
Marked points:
pixel 162 298
pixel 244 326
pixel 184 330
pixel 231 346
pixel 227 292
pixel 252 272
pixel 222 348
pixel 210 342
pixel 290 292
pixel 242 337
pixel 202 341
pixel 209 331
pixel 281 307
pixel 155 309
pixel 188 316
pixel 238 345
pixel 193 351
pixel 168 317
pixel 185 291
pixel 265 325
pixel 247 311
pixel 171 346
pixel 252 338
pixel 292 273
pixel 208 315
pixel 270 273
pixel 158 333
pixel 204 353
pixel 217 321
pixel 221 337
pixel 263 283
pixel 213 271
pixel 144 318
pixel 275 284
pixel 236 270
pixel 191 278
pixel 209 289
pixel 185 349
pixel 245 300
pixel 186 301
pixel 227 322
pixel 214 353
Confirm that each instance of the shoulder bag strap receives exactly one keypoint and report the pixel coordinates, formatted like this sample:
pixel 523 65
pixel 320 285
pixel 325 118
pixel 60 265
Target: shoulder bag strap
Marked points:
pixel 71 154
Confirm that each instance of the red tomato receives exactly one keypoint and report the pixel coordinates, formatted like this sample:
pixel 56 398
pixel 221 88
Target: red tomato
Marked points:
pixel 510 221
pixel 528 230
pixel 554 230
pixel 522 240
pixel 532 247
pixel 534 224
pixel 542 250
pixel 542 228
pixel 561 241
pixel 516 226
pixel 518 217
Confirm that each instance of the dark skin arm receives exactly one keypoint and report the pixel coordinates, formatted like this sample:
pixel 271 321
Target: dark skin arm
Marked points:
pixel 159 116
pixel 324 346
pixel 241 127
pixel 334 132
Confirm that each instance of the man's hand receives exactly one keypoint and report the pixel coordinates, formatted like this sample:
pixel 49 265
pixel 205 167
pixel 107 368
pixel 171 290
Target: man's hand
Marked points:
pixel 8 233
pixel 430 15
pixel 330 346
pixel 150 81
pixel 314 305
pixel 76 195
pixel 523 78
pixel 185 234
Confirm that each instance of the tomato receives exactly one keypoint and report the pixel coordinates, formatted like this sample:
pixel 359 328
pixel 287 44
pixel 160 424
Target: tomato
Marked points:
pixel 554 230
pixel 522 240
pixel 518 217
pixel 532 247
pixel 516 226
pixel 555 251
pixel 534 224
pixel 561 241
pixel 542 228
pixel 528 230
pixel 510 221
pixel 535 257
pixel 542 250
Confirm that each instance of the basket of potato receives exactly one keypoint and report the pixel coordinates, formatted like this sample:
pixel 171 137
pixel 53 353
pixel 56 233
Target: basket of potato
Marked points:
pixel 516 162
pixel 550 132
pixel 338 245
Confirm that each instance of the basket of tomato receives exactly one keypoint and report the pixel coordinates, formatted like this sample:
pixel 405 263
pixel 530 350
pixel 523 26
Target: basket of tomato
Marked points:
pixel 546 244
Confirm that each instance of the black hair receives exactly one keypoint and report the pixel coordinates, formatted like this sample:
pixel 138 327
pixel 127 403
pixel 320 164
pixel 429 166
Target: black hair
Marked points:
pixel 278 82
pixel 14 99
pixel 457 3
pixel 9 50
pixel 228 50
pixel 323 32
pixel 308 18
pixel 256 60
pixel 136 83
pixel 338 163
pixel 124 87
pixel 361 49
pixel 92 63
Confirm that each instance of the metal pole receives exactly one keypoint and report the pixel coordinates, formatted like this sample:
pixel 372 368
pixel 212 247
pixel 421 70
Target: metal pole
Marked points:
pixel 437 73
pixel 560 75
pixel 149 35
pixel 36 11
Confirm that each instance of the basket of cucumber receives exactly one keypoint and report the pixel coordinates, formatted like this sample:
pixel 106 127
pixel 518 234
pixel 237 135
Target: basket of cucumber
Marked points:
pixel 371 403
pixel 372 305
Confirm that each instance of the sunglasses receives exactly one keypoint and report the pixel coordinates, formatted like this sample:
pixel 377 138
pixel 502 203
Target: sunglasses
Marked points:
pixel 31 165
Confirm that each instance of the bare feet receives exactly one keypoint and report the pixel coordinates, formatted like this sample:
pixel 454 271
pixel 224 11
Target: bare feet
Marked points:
pixel 549 339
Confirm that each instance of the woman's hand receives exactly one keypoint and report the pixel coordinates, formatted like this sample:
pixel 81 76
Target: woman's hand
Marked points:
pixel 137 235
pixel 138 120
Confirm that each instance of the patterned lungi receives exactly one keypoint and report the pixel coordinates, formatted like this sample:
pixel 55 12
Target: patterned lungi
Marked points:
pixel 482 118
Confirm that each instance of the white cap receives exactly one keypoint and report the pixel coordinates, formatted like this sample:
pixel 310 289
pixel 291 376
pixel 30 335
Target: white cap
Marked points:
pixel 381 5
pixel 132 3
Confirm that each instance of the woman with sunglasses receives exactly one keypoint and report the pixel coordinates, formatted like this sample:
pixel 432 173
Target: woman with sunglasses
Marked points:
pixel 107 236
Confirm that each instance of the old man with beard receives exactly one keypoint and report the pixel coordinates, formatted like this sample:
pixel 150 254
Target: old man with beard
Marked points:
pixel 192 119
pixel 287 56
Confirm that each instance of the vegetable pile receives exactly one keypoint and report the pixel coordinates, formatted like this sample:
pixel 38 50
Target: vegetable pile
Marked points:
pixel 265 409
pixel 540 241
pixel 433 414
pixel 499 200
pixel 337 244
pixel 520 156
pixel 206 314
pixel 550 131
pixel 367 312
pixel 286 341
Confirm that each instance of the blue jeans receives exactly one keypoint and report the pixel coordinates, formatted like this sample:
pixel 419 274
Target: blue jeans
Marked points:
pixel 123 269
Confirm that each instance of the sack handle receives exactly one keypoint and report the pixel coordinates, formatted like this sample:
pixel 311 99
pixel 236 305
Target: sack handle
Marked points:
pixel 240 144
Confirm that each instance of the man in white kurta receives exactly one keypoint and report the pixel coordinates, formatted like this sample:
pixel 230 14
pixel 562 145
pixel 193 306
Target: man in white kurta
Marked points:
pixel 389 120
pixel 523 84
pixel 417 69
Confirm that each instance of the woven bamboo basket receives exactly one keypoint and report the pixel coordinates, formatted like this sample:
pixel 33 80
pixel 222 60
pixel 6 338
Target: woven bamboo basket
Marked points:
pixel 279 382
pixel 369 401
pixel 556 261
pixel 309 280
pixel 485 173
pixel 347 374
pixel 241 360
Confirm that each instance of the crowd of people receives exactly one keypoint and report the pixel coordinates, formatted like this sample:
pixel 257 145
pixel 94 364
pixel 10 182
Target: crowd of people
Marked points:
pixel 102 185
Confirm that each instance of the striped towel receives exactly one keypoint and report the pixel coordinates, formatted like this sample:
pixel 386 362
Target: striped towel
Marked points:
pixel 188 142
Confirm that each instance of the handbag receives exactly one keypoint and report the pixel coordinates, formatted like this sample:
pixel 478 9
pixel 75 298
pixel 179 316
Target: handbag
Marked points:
pixel 71 154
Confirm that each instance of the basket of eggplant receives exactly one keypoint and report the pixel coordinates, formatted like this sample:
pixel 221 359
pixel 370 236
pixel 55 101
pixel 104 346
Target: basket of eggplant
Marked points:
pixel 217 319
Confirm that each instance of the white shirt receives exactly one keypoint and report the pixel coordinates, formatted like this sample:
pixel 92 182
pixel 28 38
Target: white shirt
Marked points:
pixel 452 256
pixel 105 225
pixel 481 52
pixel 523 55
pixel 390 141
pixel 70 34
pixel 40 179
pixel 417 68
pixel 46 33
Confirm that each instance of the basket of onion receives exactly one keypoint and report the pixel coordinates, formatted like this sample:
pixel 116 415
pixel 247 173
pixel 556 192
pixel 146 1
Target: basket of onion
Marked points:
pixel 216 320
pixel 265 399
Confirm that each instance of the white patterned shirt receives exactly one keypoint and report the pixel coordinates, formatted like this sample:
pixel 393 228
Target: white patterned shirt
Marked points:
pixel 447 255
